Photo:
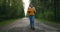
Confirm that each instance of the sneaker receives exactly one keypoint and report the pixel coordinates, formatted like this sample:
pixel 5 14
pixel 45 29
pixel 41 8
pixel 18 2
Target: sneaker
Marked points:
pixel 32 28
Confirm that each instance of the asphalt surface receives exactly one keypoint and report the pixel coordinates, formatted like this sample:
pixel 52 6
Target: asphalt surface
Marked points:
pixel 23 25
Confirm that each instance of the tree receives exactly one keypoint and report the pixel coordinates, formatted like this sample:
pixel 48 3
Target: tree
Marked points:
pixel 11 9
pixel 47 9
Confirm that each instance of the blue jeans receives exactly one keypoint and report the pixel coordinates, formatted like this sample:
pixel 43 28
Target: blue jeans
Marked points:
pixel 32 21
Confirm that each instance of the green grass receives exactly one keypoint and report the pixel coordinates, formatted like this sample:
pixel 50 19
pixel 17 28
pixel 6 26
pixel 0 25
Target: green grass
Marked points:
pixel 46 21
pixel 6 22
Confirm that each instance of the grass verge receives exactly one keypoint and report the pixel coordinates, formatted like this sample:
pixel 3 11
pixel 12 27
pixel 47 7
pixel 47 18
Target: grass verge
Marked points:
pixel 6 22
pixel 51 22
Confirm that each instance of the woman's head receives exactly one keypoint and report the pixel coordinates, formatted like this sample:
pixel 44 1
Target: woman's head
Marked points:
pixel 30 5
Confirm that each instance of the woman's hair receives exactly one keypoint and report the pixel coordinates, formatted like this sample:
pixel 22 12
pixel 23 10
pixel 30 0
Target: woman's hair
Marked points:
pixel 31 5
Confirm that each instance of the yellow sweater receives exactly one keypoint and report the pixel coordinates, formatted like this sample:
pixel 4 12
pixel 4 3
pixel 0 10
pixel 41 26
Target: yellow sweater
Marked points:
pixel 31 11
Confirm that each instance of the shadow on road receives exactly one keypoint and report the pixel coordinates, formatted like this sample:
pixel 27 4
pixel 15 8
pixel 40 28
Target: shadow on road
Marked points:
pixel 24 29
pixel 22 25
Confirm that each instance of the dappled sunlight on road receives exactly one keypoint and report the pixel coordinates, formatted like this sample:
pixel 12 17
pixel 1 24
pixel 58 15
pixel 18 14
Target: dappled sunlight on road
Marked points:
pixel 23 25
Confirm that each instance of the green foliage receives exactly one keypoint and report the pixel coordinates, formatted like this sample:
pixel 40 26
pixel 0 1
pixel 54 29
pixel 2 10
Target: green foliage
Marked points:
pixel 47 9
pixel 11 9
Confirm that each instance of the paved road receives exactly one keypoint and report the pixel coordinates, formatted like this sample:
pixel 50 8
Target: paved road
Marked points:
pixel 22 25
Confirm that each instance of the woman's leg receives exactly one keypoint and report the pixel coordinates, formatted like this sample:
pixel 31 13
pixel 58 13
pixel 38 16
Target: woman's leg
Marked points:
pixel 32 21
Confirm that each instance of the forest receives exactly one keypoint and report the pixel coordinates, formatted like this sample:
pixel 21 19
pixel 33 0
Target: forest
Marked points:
pixel 46 9
pixel 11 9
